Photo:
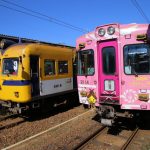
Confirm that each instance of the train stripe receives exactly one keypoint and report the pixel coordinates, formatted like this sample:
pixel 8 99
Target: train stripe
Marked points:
pixel 17 82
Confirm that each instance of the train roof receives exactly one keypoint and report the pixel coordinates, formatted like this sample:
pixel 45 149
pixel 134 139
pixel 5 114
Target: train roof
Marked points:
pixel 121 29
pixel 25 40
pixel 21 46
pixel 35 49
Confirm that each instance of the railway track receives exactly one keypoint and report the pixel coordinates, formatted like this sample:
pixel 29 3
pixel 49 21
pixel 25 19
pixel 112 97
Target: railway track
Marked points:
pixel 130 139
pixel 10 121
pixel 102 140
pixel 88 140
pixel 39 136
pixel 2 118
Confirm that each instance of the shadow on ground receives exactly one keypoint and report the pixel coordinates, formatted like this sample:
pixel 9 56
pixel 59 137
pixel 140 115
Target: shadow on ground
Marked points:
pixel 121 124
pixel 50 109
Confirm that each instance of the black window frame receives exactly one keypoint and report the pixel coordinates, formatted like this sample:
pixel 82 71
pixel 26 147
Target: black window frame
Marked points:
pixel 61 73
pixel 103 60
pixel 54 62
pixel 17 66
pixel 78 65
pixel 135 73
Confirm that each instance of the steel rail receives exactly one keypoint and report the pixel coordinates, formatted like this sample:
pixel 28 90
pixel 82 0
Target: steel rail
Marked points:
pixel 130 139
pixel 12 124
pixel 89 139
pixel 8 116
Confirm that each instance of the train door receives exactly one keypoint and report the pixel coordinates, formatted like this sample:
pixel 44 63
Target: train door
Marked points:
pixel 108 74
pixel 34 69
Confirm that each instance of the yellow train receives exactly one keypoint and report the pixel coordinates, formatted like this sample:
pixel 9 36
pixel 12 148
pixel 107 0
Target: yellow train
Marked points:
pixel 32 71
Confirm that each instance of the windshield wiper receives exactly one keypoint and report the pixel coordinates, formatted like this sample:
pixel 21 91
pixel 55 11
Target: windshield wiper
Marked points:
pixel 135 73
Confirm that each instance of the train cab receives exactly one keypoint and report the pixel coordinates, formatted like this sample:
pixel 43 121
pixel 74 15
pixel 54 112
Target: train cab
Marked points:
pixel 114 70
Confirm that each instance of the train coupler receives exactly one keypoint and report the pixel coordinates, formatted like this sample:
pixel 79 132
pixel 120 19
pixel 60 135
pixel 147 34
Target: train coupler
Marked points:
pixel 107 115
pixel 106 111
pixel 18 110
pixel 107 122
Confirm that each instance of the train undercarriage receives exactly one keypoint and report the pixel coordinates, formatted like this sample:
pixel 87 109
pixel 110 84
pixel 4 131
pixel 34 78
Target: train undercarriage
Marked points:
pixel 110 114
pixel 43 103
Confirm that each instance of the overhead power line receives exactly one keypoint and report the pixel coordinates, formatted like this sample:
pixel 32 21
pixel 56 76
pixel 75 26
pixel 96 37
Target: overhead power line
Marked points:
pixel 41 16
pixel 138 7
pixel 22 12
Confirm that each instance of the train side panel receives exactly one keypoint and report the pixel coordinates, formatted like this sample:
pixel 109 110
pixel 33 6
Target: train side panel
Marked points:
pixel 87 73
pixel 59 79
pixel 135 77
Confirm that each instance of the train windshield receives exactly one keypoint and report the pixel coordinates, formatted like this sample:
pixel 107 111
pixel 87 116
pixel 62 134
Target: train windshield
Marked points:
pixel 10 66
pixel 137 59
pixel 86 62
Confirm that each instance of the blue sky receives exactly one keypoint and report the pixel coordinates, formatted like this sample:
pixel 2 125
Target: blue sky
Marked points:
pixel 86 14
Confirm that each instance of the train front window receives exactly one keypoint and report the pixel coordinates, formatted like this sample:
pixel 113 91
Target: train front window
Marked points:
pixel 86 62
pixel 10 66
pixel 109 62
pixel 137 59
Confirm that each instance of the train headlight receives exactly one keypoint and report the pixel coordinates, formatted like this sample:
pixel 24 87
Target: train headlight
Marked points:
pixel 2 44
pixel 101 32
pixel 110 30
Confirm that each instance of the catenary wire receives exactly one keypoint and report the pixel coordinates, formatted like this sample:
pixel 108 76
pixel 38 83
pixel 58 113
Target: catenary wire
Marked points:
pixel 138 7
pixel 29 14
pixel 42 16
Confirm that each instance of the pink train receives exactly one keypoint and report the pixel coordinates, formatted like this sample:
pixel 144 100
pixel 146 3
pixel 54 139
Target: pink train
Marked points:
pixel 114 70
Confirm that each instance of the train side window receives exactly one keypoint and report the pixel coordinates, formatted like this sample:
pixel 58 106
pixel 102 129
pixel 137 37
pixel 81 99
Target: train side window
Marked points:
pixel 63 67
pixel 49 67
pixel 137 59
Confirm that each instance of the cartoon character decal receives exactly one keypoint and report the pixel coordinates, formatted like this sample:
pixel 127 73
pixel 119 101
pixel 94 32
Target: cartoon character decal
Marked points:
pixel 87 96
pixel 92 97
pixel 83 92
